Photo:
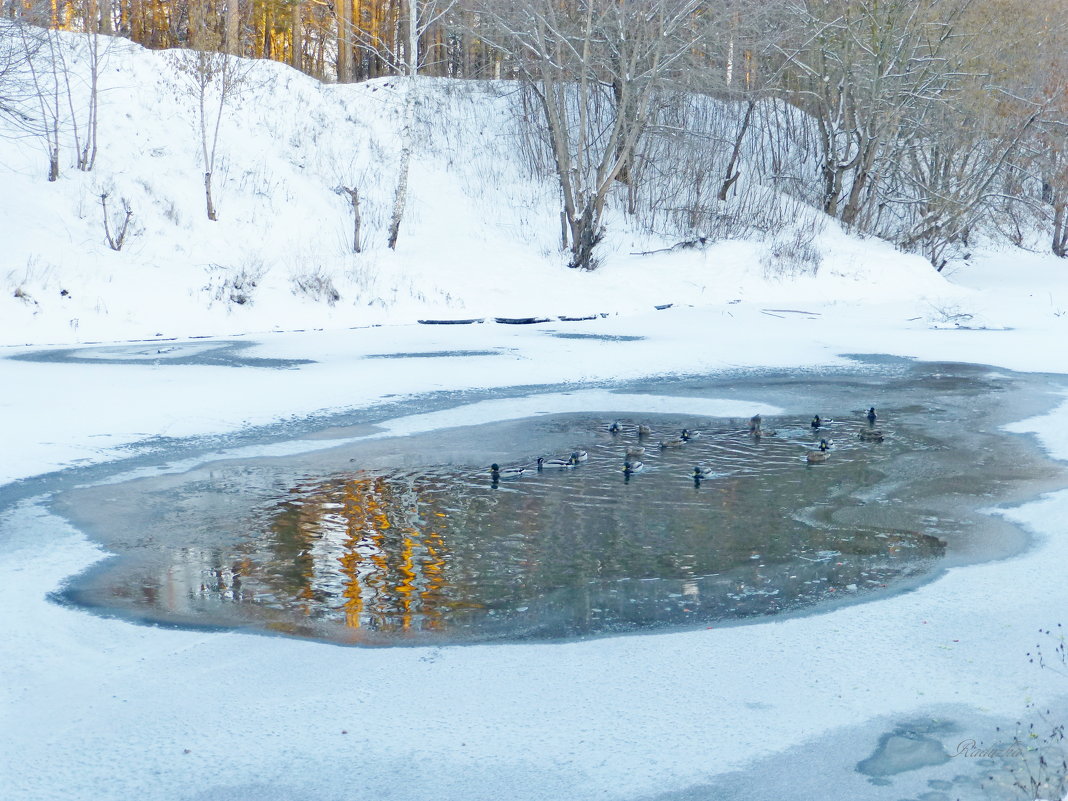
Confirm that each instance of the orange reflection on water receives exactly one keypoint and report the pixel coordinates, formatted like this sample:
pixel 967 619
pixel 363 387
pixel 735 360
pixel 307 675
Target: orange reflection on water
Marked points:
pixel 360 547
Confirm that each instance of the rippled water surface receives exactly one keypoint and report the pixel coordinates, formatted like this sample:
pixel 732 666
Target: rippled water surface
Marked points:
pixel 414 540
pixel 447 550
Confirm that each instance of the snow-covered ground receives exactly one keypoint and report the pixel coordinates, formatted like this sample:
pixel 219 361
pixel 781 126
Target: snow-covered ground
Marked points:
pixel 96 708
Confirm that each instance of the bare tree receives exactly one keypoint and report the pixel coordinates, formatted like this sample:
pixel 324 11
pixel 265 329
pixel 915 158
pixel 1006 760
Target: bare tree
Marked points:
pixel 1038 76
pixel 353 194
pixel 403 54
pixel 594 71
pixel 950 177
pixel 868 71
pixel 84 115
pixel 18 45
pixel 213 80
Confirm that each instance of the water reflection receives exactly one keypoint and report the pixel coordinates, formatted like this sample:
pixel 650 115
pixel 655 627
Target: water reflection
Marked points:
pixel 450 553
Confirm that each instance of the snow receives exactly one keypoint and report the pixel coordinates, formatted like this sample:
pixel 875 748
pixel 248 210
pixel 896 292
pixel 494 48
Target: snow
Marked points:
pixel 96 708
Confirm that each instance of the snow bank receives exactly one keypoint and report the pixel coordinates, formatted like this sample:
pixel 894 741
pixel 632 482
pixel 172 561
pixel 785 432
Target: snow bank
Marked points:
pixel 480 238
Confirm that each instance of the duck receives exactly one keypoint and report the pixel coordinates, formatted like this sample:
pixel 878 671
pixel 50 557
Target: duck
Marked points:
pixel 635 450
pixel 686 434
pixel 675 442
pixel 816 422
pixel 870 435
pixel 569 462
pixel 630 467
pixel 700 471
pixel 615 428
pixel 815 457
pixel 872 416
pixel 644 430
pixel 754 424
pixel 507 472
pixel 580 456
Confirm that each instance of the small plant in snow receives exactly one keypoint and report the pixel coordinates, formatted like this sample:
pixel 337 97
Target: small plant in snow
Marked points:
pixel 948 313
pixel 24 296
pixel 316 285
pixel 792 254
pixel 234 286
pixel 1042 770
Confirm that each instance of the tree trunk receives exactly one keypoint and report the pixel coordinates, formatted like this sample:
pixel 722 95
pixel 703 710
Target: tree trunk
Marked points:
pixel 344 41
pixel 1060 228
pixel 233 28
pixel 400 197
pixel 731 174
pixel 297 51
pixel 354 200
pixel 585 236
pixel 207 198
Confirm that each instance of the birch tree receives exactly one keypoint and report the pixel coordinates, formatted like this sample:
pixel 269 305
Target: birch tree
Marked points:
pixel 406 58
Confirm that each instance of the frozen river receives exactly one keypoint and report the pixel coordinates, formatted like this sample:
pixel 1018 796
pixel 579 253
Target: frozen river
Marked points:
pixel 839 689
pixel 409 540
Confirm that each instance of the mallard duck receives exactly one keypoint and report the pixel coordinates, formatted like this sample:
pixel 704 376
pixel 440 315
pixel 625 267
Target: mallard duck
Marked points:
pixel 644 430
pixel 816 422
pixel 870 435
pixel 568 462
pixel 579 456
pixel 754 424
pixel 872 416
pixel 630 467
pixel 814 457
pixel 675 442
pixel 635 450
pixel 615 428
pixel 508 472
pixel 700 471
pixel 686 434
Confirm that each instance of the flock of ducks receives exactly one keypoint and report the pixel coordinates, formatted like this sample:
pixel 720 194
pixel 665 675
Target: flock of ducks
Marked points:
pixel 635 451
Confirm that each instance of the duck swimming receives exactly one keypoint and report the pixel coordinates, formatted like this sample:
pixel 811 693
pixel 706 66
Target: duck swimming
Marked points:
pixel 635 450
pixel 686 434
pixel 644 430
pixel 816 422
pixel 569 462
pixel 615 428
pixel 630 467
pixel 676 442
pixel 870 435
pixel 872 416
pixel 700 471
pixel 815 457
pixel 754 424
pixel 580 456
pixel 508 472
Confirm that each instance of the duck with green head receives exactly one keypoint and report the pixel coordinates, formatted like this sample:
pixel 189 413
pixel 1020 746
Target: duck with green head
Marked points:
pixel 815 457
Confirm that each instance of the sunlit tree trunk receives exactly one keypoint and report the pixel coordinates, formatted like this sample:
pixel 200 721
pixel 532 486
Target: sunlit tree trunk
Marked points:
pixel 344 41
pixel 233 28
pixel 297 52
